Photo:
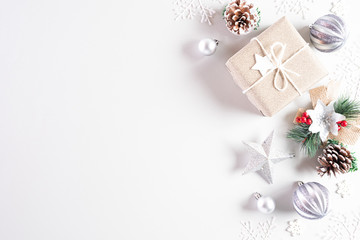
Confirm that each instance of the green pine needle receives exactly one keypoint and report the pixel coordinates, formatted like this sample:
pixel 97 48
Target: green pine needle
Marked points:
pixel 310 142
pixel 299 132
pixel 354 165
pixel 333 141
pixel 258 23
pixel 349 108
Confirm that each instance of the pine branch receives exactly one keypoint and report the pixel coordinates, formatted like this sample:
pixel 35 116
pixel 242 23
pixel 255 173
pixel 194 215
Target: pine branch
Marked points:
pixel 349 108
pixel 258 22
pixel 299 132
pixel 333 141
pixel 354 165
pixel 310 142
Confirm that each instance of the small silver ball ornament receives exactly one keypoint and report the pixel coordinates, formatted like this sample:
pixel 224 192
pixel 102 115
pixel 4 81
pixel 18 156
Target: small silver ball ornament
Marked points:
pixel 328 33
pixel 311 200
pixel 264 204
pixel 208 46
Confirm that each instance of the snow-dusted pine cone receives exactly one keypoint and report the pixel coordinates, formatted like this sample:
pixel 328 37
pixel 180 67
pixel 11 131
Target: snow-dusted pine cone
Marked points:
pixel 335 159
pixel 241 17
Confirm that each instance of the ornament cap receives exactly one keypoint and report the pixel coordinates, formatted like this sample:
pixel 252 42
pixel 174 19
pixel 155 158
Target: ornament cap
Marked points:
pixel 257 195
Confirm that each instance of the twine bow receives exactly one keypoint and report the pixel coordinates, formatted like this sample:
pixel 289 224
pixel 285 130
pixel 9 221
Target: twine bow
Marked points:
pixel 279 66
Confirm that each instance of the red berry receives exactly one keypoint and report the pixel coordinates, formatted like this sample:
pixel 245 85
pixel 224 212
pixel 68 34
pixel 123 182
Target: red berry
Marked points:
pixel 339 128
pixel 305 114
pixel 298 119
pixel 338 122
pixel 308 121
pixel 303 119
pixel 343 123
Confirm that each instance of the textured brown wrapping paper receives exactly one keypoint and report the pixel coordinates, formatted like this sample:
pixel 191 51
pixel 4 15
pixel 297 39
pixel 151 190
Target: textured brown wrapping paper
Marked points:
pixel 265 96
pixel 325 93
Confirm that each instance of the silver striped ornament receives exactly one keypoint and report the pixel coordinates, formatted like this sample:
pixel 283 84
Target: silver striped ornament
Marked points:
pixel 311 200
pixel 328 33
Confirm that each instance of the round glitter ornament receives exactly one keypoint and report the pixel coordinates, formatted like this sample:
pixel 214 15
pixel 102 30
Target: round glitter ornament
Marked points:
pixel 264 204
pixel 208 46
pixel 328 33
pixel 311 200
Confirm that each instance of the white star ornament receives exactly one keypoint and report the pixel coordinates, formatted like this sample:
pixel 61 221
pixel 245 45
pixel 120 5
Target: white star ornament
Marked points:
pixel 263 64
pixel 263 157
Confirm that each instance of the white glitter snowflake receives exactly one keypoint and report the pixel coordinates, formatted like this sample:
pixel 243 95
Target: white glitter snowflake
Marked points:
pixel 294 228
pixel 262 231
pixel 189 9
pixel 298 7
pixel 343 189
pixel 348 68
pixel 338 8
pixel 343 227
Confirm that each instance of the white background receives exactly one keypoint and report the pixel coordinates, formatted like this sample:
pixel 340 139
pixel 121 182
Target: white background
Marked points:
pixel 114 127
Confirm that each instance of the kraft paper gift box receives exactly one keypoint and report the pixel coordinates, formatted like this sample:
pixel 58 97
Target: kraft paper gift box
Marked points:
pixel 288 67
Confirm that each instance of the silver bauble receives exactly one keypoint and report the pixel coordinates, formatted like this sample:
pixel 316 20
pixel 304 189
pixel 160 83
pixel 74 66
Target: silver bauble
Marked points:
pixel 208 46
pixel 328 33
pixel 311 200
pixel 264 204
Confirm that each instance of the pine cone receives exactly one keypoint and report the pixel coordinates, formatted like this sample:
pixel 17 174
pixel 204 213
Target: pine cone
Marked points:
pixel 334 159
pixel 240 17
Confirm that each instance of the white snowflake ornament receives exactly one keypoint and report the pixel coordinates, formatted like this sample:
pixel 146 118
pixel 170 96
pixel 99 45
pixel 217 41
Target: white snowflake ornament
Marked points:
pixel 343 189
pixel 298 7
pixel 324 120
pixel 347 69
pixel 189 9
pixel 343 226
pixel 338 8
pixel 262 231
pixel 294 228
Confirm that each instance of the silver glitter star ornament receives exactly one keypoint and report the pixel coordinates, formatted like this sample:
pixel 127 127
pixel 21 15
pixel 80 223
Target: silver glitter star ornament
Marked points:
pixel 263 157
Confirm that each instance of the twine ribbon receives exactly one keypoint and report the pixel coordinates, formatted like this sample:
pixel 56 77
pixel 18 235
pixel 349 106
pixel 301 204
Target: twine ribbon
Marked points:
pixel 279 66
